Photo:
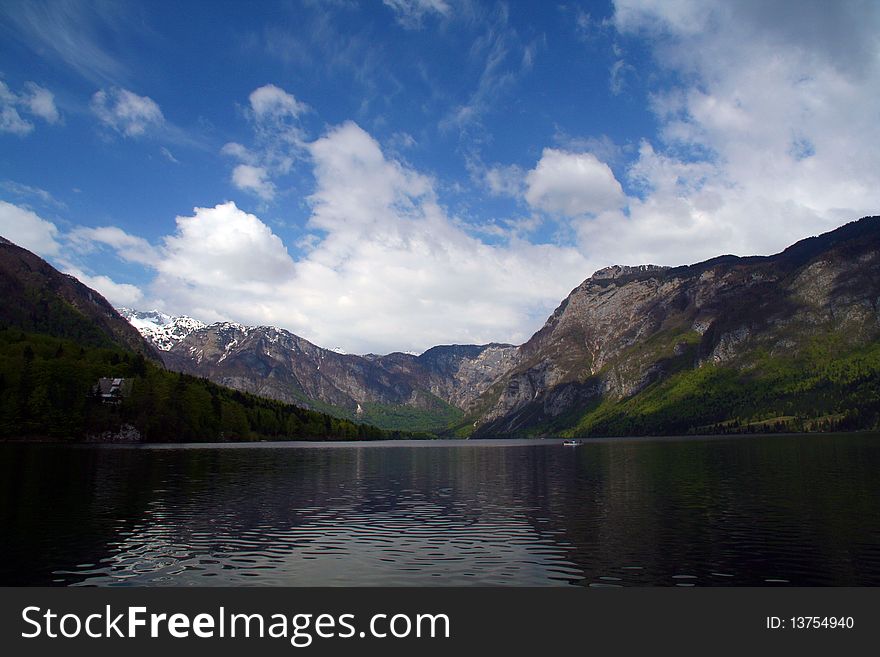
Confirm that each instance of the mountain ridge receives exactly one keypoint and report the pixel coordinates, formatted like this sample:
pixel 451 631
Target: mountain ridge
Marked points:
pixel 37 297
pixel 431 389
pixel 683 317
pixel 614 337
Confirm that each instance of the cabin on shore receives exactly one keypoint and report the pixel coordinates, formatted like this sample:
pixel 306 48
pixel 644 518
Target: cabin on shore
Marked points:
pixel 113 390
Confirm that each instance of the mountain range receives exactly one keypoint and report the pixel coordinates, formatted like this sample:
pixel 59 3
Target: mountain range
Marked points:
pixel 428 392
pixel 781 342
pixel 73 369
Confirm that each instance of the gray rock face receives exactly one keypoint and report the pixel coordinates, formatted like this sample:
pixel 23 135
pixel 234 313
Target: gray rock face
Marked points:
pixel 277 364
pixel 627 327
pixel 459 374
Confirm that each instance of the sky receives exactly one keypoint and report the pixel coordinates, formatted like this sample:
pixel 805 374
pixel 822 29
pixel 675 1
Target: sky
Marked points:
pixel 388 175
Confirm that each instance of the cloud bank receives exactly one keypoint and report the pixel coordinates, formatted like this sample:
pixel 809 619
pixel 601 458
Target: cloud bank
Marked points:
pixel 388 268
pixel 768 137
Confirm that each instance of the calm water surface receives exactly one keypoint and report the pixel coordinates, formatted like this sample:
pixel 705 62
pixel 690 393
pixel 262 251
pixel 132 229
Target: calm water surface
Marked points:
pixel 801 510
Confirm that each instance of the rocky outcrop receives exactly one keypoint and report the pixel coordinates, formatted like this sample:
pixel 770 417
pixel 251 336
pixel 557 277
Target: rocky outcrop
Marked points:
pixel 275 363
pixel 627 327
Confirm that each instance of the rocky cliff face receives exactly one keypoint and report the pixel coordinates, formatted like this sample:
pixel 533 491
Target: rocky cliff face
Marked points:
pixel 625 328
pixel 275 363
pixel 459 374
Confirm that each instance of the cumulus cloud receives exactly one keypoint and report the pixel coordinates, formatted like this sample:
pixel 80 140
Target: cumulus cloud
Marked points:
pixel 270 101
pixel 28 230
pixel 572 184
pixel 398 268
pixel 126 112
pixel 386 266
pixel 34 100
pixel 253 179
pixel 224 247
pixel 768 137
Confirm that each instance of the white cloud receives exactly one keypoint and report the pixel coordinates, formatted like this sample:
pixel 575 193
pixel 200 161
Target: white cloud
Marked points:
pixel 225 248
pixel 279 141
pixel 401 140
pixel 253 179
pixel 385 267
pixel 129 247
pixel 768 137
pixel 118 294
pixel 28 230
pixel 41 102
pixel 350 159
pixel 35 100
pixel 126 112
pixel 270 101
pixel 11 121
pixel 23 191
pixel 411 13
pixel 573 184
pixel 239 152
pixel 503 60
pixel 505 180
pixel 618 72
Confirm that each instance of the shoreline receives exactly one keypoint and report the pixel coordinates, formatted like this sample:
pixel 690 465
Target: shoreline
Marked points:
pixel 425 442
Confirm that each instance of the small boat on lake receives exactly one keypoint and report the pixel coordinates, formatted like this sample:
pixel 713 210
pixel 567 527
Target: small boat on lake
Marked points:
pixel 572 442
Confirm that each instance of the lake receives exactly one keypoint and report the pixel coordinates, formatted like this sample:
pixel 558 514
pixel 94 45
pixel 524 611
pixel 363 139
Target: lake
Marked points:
pixel 739 511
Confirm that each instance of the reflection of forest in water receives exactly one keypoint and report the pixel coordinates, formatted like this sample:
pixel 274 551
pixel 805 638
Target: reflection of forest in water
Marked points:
pixel 742 511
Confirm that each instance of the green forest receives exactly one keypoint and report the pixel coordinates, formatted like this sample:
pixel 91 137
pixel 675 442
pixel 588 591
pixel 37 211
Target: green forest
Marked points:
pixel 826 386
pixel 48 391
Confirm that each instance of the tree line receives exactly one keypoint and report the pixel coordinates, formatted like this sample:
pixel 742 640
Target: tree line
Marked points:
pixel 48 391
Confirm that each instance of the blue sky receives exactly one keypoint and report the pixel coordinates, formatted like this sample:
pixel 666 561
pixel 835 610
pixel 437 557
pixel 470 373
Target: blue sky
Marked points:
pixel 392 175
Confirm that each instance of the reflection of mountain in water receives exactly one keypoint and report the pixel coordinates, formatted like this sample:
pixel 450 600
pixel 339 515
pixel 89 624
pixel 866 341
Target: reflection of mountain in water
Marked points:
pixel 644 512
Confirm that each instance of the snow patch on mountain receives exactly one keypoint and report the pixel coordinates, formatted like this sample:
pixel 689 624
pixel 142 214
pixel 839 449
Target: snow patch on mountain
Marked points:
pixel 162 329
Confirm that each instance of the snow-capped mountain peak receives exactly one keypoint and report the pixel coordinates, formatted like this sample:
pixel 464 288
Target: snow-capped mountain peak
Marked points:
pixel 162 329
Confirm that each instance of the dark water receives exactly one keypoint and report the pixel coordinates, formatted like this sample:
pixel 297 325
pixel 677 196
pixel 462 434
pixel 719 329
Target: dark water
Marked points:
pixel 802 510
